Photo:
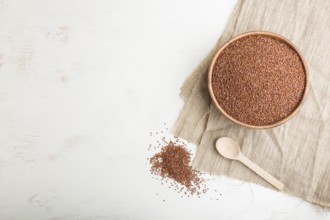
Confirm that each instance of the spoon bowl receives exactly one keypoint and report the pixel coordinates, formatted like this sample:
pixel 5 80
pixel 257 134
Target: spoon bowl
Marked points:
pixel 228 148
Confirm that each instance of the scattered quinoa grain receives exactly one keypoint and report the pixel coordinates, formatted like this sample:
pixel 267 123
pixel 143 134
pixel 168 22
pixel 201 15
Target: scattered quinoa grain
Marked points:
pixel 173 163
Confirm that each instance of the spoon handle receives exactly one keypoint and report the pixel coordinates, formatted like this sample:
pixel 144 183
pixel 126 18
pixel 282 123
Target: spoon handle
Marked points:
pixel 258 170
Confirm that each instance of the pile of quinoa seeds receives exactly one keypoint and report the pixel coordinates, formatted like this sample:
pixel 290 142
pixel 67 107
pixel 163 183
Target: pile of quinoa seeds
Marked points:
pixel 169 162
pixel 258 80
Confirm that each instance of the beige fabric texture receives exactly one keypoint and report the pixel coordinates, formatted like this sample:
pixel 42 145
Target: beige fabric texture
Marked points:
pixel 297 152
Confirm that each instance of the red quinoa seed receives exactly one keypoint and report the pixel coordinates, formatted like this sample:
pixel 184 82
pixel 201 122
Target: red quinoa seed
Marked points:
pixel 173 163
pixel 258 80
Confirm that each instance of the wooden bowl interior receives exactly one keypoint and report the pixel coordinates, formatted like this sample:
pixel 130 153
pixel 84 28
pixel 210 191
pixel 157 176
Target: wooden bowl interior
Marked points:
pixel 276 36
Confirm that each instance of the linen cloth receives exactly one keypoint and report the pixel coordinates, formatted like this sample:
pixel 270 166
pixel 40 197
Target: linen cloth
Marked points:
pixel 297 152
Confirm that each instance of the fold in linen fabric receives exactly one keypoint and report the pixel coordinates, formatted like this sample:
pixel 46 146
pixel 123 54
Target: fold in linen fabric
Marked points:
pixel 297 152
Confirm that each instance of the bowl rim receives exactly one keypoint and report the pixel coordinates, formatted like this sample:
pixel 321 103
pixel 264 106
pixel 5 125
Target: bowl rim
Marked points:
pixel 276 36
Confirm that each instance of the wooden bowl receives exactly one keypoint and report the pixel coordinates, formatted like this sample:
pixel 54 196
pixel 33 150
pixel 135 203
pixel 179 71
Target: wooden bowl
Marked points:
pixel 276 36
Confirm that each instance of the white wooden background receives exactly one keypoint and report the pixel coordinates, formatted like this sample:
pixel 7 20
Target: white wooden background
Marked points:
pixel 82 83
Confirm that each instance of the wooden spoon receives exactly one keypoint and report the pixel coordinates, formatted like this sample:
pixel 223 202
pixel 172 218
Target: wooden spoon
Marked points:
pixel 228 148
